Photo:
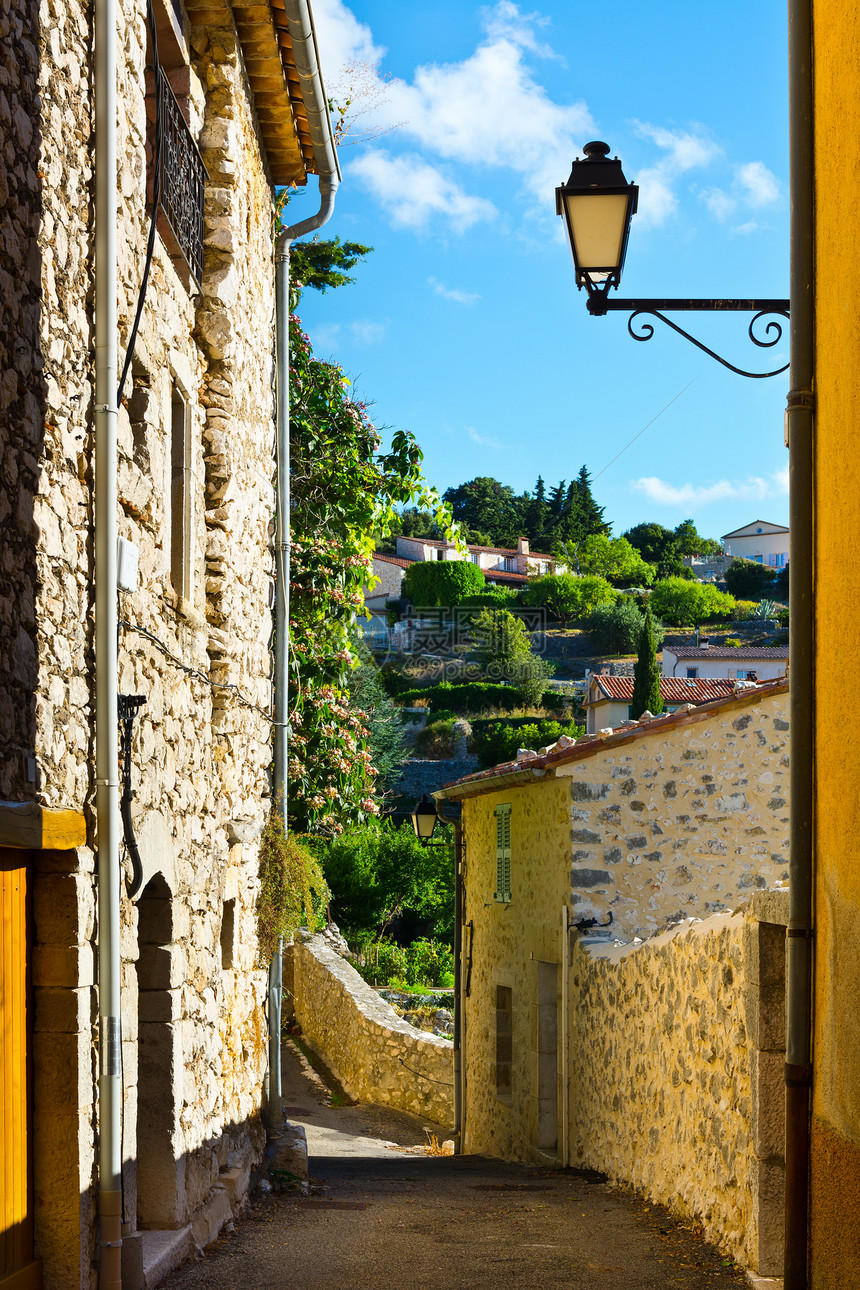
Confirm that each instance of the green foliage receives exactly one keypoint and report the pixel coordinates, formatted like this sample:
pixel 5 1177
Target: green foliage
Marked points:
pixel 733 642
pixel 781 583
pixel 749 580
pixel 470 697
pixel 566 597
pixel 683 603
pixel 615 629
pixel 498 741
pixel 570 513
pixel 485 504
pixel 498 638
pixel 646 673
pixel 744 610
pixel 293 892
pixel 530 676
pixel 423 963
pixel 611 558
pixel 437 738
pixel 491 597
pixel 343 490
pixel 322 265
pixel 442 583
pixel 381 718
pixel 689 542
pixel 381 869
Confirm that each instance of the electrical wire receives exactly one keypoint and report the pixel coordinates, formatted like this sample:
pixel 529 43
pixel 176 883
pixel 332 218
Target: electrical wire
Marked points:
pixel 644 428
pixel 156 198
pixel 194 671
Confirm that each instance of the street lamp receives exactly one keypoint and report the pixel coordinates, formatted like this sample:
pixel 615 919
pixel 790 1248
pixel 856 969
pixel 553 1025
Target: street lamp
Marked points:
pixel 597 204
pixel 424 818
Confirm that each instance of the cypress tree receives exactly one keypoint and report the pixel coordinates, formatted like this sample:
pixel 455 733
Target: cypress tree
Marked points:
pixel 646 673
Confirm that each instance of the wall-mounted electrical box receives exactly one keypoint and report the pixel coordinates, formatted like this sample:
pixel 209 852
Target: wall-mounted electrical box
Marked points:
pixel 127 556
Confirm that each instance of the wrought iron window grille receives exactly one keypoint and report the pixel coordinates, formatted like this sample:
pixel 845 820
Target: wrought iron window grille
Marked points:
pixel 181 182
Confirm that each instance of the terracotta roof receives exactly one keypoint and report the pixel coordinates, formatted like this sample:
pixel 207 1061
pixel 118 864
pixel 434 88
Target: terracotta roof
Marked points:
pixel 502 575
pixel 673 689
pixel 765 652
pixel 486 781
pixel 393 559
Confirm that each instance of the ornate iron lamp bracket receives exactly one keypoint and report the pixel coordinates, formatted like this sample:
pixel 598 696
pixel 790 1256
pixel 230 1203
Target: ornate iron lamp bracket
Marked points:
pixel 598 304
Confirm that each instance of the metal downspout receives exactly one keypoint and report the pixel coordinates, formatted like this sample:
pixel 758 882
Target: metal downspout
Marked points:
pixel 800 434
pixel 107 733
pixel 300 22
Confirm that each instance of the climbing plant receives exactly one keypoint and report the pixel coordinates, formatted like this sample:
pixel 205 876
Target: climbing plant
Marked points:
pixel 293 892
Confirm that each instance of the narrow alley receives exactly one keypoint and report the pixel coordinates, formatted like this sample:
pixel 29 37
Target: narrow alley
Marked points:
pixel 383 1214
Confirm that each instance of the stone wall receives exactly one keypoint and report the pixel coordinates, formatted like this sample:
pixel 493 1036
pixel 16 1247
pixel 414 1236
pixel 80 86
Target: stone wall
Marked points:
pixel 684 818
pixel 375 1055
pixel 192 993
pixel 423 775
pixel 676 1082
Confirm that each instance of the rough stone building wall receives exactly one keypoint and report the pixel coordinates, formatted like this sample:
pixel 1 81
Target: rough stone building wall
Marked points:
pixel 376 1055
pixel 676 1075
pixel 192 993
pixel 684 821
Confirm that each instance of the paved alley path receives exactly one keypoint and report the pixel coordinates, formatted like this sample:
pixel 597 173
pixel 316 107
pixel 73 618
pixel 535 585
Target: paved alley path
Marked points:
pixel 381 1217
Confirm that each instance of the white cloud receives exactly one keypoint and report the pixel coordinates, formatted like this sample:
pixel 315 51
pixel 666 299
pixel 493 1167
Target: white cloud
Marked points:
pixel 753 187
pixel 413 192
pixel 485 441
pixel 759 184
pixel 684 150
pixel 366 331
pixel 453 293
pixel 342 39
pixel 326 335
pixel 753 488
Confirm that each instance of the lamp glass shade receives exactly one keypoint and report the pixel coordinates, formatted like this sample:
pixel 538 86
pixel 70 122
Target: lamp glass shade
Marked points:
pixel 597 223
pixel 424 817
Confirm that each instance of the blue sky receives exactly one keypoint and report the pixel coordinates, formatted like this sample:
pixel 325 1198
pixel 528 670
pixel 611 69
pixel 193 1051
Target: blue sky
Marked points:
pixel 465 326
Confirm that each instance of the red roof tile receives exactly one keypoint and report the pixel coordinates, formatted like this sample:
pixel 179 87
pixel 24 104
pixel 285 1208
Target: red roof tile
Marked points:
pixel 393 559
pixel 673 689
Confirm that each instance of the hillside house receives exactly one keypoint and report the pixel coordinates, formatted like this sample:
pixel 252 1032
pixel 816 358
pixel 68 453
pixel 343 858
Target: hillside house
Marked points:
pixel 182 1051
pixel 762 541
pixel 608 698
pixel 719 662
pixel 501 565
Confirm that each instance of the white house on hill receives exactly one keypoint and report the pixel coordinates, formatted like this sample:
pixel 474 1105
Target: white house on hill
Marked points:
pixel 735 662
pixel 761 541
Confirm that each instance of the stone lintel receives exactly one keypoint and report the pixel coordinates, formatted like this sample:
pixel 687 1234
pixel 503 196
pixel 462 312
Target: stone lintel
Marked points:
pixel 35 828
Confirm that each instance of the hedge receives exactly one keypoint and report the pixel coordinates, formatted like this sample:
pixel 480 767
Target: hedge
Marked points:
pixel 472 696
pixel 498 741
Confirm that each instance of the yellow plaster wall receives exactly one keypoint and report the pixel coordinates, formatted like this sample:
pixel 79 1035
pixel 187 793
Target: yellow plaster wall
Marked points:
pixel 835 1165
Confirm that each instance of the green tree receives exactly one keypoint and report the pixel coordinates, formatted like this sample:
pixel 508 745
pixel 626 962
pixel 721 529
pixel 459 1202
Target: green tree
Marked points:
pixel 615 629
pixel 749 580
pixel 489 507
pixel 659 546
pixel 566 597
pixel 646 673
pixel 683 603
pixel 442 583
pixel 584 516
pixel 377 871
pixel 611 558
pixel 381 717
pixel 322 265
pixel 537 512
pixel 689 542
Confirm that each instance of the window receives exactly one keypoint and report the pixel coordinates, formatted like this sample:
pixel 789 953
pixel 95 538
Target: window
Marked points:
pixel 474 557
pixel 504 1040
pixel 503 854
pixel 228 928
pixel 180 495
pixel 692 673
pixel 440 554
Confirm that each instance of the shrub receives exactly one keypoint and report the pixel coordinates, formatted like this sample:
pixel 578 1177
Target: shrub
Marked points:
pixel 473 696
pixel 732 641
pixel 748 579
pixel 530 678
pixel 491 598
pixel 615 628
pixel 566 597
pixel 380 869
pixel 744 610
pixel 424 962
pixel 293 892
pixel 498 741
pixel 436 740
pixel 683 603
pixel 442 583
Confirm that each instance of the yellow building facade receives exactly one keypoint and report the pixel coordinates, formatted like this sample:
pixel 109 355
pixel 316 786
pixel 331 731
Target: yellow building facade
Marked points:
pixel 834 1244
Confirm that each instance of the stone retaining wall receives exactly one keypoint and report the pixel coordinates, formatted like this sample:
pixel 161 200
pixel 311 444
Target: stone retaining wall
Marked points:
pixel 375 1055
pixel 676 1073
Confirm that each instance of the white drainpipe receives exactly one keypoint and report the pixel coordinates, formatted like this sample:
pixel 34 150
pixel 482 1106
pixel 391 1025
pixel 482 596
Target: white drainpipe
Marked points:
pixel 300 21
pixel 107 749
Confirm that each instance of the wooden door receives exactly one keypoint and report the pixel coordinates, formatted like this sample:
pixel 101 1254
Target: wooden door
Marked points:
pixel 18 1269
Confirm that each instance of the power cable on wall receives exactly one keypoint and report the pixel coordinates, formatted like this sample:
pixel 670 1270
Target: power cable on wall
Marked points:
pixel 194 671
